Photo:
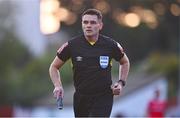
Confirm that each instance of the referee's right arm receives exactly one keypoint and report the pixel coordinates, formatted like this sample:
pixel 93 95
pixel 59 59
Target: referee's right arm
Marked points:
pixel 62 56
pixel 55 77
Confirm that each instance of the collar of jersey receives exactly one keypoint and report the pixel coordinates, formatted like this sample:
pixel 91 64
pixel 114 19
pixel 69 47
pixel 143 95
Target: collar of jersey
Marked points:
pixel 91 42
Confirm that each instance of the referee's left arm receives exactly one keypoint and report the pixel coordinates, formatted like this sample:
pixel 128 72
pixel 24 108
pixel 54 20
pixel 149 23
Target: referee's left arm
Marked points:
pixel 124 68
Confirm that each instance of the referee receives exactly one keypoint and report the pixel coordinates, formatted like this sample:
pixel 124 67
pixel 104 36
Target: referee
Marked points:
pixel 91 54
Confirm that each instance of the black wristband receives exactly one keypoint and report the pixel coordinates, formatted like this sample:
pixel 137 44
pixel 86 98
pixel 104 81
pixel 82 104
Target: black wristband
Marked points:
pixel 123 83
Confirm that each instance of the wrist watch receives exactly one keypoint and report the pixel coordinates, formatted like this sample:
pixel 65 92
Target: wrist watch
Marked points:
pixel 123 83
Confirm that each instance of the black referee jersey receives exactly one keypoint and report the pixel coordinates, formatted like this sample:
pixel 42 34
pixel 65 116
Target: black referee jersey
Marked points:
pixel 91 63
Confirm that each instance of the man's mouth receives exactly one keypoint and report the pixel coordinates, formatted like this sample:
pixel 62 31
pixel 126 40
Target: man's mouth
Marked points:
pixel 88 30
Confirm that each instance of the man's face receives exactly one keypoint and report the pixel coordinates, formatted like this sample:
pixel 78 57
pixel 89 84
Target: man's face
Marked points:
pixel 91 25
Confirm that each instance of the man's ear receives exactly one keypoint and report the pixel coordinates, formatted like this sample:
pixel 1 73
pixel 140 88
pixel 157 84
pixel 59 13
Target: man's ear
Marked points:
pixel 101 26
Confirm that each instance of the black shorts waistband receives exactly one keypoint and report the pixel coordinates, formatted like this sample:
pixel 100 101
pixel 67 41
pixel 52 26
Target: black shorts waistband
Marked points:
pixel 94 93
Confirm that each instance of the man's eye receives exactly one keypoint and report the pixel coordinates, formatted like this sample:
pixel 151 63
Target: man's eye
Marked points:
pixel 93 22
pixel 85 22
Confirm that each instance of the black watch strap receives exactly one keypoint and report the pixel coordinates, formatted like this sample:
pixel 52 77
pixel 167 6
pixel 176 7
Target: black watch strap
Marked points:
pixel 123 83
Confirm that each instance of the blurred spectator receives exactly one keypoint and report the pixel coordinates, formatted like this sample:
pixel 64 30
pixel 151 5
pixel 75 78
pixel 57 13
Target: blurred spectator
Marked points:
pixel 6 111
pixel 156 107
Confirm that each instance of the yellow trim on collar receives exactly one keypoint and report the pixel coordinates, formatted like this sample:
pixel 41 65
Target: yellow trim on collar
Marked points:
pixel 92 42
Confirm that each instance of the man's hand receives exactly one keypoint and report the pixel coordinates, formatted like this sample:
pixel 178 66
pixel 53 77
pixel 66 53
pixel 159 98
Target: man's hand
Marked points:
pixel 58 92
pixel 116 88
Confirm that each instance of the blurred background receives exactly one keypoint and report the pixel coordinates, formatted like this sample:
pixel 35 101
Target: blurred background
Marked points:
pixel 31 32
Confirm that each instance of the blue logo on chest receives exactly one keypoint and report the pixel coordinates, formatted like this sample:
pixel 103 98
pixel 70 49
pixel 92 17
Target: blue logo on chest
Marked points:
pixel 104 61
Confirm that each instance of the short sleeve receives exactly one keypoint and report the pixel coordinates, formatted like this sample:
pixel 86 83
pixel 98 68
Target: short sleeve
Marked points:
pixel 118 52
pixel 63 52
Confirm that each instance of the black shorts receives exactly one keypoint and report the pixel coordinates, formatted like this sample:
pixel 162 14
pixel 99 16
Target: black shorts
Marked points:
pixel 93 105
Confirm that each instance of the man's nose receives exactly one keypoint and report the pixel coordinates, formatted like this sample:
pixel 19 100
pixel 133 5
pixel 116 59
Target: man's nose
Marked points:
pixel 88 24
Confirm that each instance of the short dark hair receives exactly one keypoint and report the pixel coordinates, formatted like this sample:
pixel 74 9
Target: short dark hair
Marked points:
pixel 93 12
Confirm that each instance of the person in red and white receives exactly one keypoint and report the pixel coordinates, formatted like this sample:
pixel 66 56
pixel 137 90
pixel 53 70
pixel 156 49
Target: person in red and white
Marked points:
pixel 156 107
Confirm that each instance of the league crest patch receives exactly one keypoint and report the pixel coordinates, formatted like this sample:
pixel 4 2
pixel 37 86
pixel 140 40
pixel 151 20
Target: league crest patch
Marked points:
pixel 104 61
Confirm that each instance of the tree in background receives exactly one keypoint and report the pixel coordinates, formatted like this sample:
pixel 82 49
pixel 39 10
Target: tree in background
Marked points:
pixel 23 77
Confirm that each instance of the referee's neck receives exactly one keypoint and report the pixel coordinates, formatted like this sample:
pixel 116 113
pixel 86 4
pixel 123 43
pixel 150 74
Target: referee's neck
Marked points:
pixel 93 38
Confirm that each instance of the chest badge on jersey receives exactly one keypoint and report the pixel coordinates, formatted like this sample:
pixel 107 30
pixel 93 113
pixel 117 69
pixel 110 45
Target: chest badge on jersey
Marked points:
pixel 104 61
pixel 79 58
